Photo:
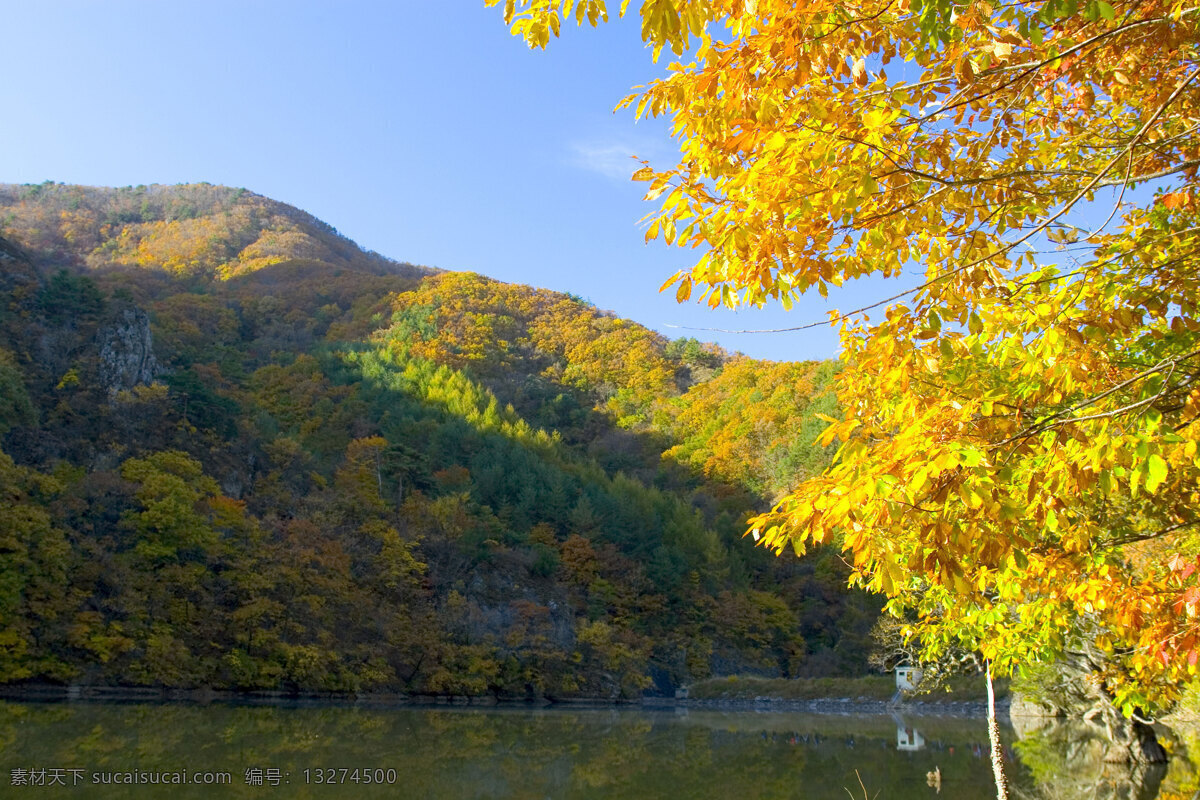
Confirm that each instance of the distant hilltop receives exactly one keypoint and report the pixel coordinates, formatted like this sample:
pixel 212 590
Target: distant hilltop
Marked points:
pixel 188 230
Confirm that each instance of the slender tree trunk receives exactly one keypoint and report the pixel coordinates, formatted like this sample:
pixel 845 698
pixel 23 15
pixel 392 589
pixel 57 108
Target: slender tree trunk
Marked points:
pixel 994 738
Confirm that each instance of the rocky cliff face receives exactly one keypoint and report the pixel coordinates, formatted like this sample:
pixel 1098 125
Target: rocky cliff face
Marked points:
pixel 126 351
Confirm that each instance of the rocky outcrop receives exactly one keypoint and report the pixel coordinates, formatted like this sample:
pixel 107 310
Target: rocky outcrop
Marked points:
pixel 126 351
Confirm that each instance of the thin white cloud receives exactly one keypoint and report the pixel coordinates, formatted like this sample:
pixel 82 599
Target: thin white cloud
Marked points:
pixel 615 160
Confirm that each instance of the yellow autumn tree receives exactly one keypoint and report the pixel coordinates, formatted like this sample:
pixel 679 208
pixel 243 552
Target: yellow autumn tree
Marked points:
pixel 1018 437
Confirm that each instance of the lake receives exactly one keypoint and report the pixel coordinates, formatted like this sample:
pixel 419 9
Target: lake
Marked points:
pixel 116 750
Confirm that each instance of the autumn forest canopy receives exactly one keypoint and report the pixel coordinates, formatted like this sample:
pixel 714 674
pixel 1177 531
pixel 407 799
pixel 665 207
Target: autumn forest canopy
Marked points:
pixel 239 452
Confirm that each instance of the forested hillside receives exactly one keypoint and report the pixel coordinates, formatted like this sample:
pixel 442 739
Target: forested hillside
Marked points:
pixel 240 452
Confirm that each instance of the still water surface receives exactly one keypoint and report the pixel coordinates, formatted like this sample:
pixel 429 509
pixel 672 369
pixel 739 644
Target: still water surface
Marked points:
pixel 301 752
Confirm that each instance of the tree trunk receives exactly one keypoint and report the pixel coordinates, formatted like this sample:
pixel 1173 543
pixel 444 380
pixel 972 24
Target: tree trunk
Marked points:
pixel 994 738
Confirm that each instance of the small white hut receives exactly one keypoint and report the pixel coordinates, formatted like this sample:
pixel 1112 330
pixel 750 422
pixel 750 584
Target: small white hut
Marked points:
pixel 907 678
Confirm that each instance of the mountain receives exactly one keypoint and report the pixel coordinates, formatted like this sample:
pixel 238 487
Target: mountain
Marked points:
pixel 238 451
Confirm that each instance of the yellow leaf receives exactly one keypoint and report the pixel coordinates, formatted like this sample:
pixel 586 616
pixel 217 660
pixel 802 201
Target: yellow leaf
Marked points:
pixel 875 119
pixel 671 281
pixel 1156 472
pixel 859 72
pixel 659 186
pixel 964 71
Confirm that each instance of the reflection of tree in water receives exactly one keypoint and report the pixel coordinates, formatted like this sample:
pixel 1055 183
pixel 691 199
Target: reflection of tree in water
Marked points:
pixel 517 753
pixel 1072 760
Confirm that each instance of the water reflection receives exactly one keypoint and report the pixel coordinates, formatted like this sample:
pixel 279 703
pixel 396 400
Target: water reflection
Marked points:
pixel 1069 759
pixel 495 753
pixel 332 752
pixel 907 737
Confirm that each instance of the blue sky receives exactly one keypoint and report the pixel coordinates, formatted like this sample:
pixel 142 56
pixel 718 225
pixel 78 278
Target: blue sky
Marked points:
pixel 421 130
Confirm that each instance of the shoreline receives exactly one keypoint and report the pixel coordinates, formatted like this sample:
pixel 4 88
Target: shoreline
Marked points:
pixel 845 706
pixel 50 693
